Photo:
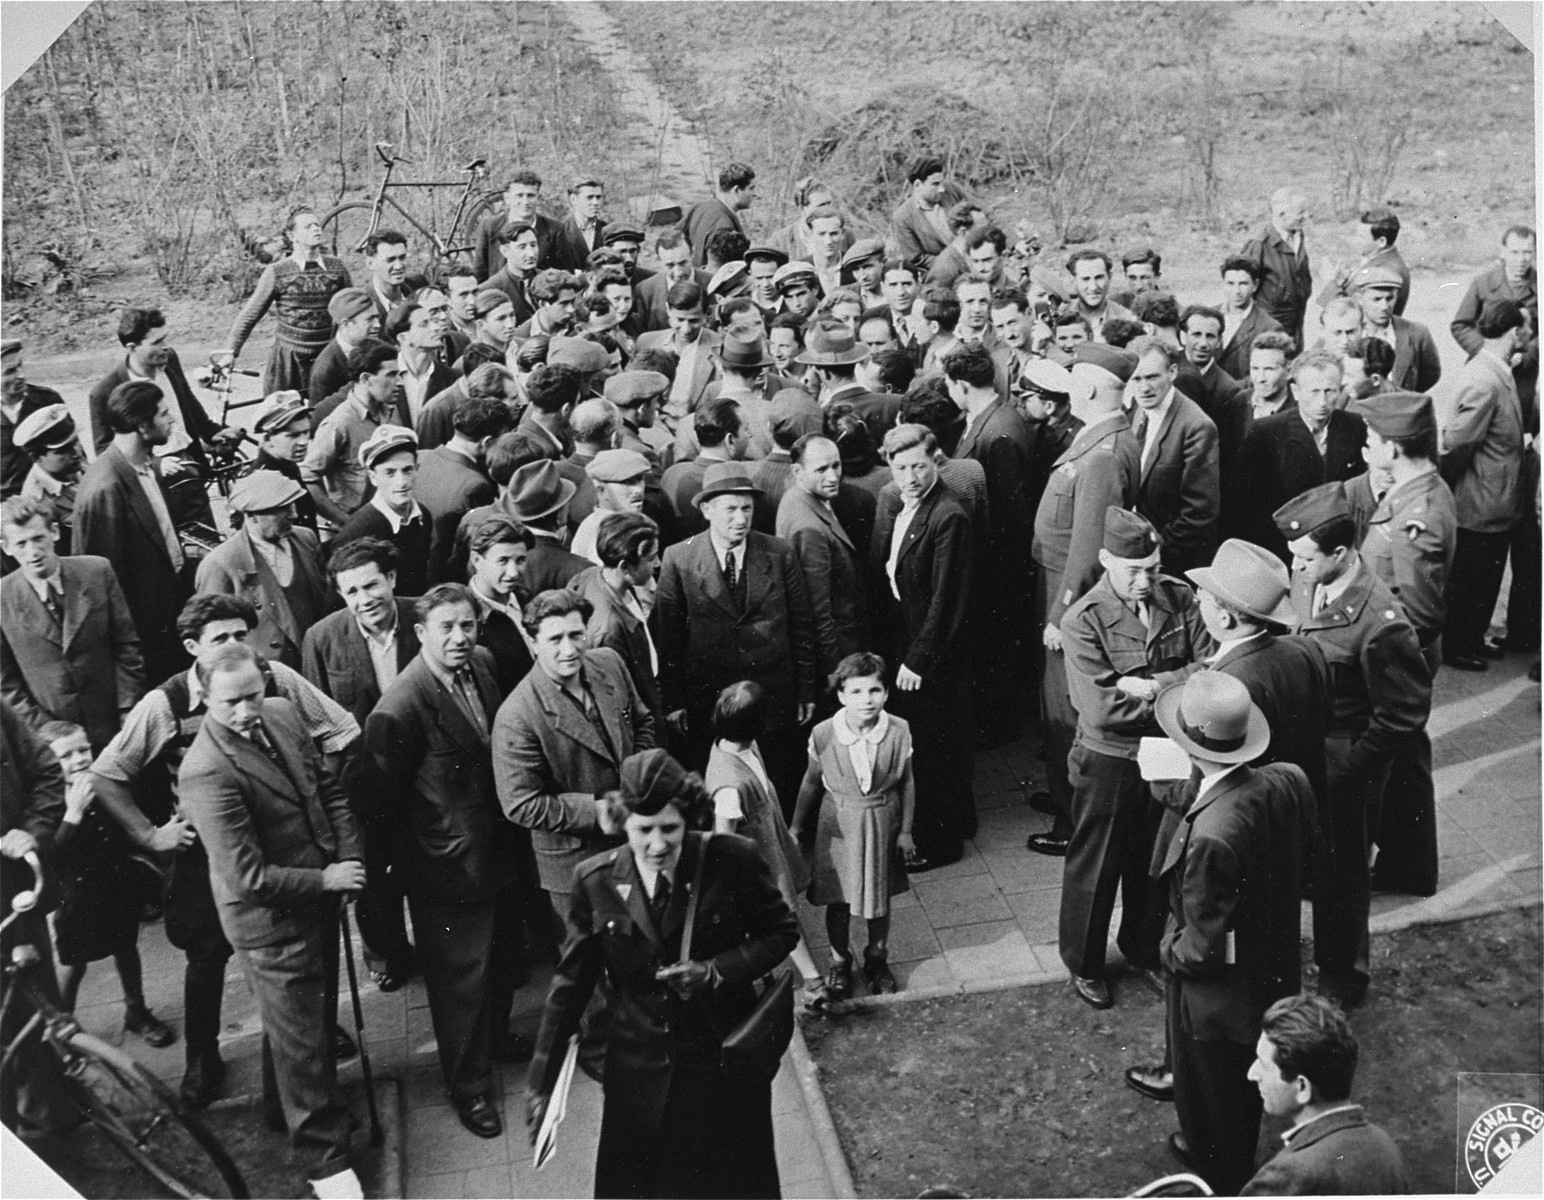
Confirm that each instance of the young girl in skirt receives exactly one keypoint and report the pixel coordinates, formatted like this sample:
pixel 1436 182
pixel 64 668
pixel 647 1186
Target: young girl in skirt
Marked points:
pixel 102 889
pixel 860 777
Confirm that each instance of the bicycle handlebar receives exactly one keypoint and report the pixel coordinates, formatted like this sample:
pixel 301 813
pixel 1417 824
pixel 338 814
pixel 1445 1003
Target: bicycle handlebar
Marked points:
pixel 26 901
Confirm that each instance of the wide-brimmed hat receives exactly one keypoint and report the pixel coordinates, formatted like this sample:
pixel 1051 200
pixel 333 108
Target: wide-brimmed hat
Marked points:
pixel 1252 580
pixel 832 344
pixel 537 490
pixel 743 354
pixel 724 479
pixel 1210 716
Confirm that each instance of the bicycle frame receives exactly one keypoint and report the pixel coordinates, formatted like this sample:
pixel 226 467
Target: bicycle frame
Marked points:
pixel 441 249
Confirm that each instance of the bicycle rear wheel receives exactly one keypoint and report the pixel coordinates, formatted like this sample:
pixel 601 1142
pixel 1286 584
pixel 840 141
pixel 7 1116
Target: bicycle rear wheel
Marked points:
pixel 147 1122
pixel 345 228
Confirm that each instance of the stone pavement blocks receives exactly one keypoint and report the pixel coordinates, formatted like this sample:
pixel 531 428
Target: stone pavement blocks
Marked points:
pixel 1019 870
pixel 925 973
pixel 990 951
pixel 1037 914
pixel 1003 828
pixel 968 901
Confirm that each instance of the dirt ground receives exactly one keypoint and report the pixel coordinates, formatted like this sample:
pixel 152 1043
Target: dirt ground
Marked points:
pixel 1020 1093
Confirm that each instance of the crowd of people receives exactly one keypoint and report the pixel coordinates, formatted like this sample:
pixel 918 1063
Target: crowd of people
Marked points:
pixel 550 565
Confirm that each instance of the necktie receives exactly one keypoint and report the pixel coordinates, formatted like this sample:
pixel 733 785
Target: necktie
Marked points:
pixel 1144 614
pixel 471 705
pixel 1139 430
pixel 660 901
pixel 1319 600
pixel 730 575
pixel 260 740
pixel 55 604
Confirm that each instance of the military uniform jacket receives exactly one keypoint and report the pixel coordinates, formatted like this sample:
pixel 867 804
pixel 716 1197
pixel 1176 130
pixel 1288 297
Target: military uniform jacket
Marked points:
pixel 1103 466
pixel 1409 547
pixel 1234 875
pixel 1103 639
pixel 1380 688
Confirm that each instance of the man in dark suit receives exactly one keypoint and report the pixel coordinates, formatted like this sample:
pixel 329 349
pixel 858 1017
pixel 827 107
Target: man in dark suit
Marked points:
pixel 721 435
pixel 997 437
pixel 694 346
pixel 432 773
pixel 355 318
pixel 521 195
pixel 833 569
pixel 579 232
pixel 353 656
pixel 71 652
pixel 451 480
pixel 732 605
pixel 921 570
pixel 1244 317
pixel 1222 398
pixel 1179 490
pixel 736 192
pixel 123 514
pixel 1305 1063
pixel 1281 258
pixel 273 563
pixel 282 845
pixel 498 549
pixel 628 549
pixel 1310 443
pixel 650 311
pixel 390 458
pixel 1234 875
pixel 1417 365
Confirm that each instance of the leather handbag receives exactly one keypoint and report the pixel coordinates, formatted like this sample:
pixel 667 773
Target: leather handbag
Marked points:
pixel 753 1050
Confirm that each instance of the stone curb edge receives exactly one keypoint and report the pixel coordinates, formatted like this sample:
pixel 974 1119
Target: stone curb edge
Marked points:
pixel 826 1137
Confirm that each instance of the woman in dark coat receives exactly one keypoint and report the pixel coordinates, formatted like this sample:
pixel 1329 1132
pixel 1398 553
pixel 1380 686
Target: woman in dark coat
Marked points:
pixel 674 1123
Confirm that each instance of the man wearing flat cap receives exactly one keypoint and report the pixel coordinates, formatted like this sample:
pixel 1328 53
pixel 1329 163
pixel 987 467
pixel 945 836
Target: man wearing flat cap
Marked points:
pixel 273 564
pixel 283 430
pixel 1417 366
pixel 733 605
pixel 1409 545
pixel 1380 694
pixel 619 477
pixel 1127 633
pixel 1234 875
pixel 861 267
pixel 49 439
pixel 355 318
pixel 1101 468
pixel 798 288
pixel 390 459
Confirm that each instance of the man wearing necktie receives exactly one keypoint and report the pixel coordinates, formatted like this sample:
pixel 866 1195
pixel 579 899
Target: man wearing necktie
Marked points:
pixel 431 771
pixel 1134 623
pixel 1380 697
pixel 581 229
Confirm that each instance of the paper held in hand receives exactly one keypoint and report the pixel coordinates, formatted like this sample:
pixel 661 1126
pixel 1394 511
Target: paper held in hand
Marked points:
pixel 1160 759
pixel 557 1107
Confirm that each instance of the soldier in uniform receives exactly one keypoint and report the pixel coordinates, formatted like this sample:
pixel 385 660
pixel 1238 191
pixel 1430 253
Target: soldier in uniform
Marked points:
pixel 1408 545
pixel 1380 694
pixel 48 438
pixel 1127 634
pixel 1101 468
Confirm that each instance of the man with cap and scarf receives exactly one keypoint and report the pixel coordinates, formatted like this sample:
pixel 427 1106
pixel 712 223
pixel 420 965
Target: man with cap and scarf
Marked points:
pixel 1234 877
pixel 390 458
pixel 18 401
pixel 272 564
pixel 1409 545
pixel 1417 366
pixel 1101 468
pixel 1132 628
pixel 49 439
pixel 355 317
pixel 1380 695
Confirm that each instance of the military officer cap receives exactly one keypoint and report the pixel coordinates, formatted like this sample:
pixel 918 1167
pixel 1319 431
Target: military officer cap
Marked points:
pixel 284 409
pixel 1120 363
pixel 47 429
pixel 1314 509
pixel 729 279
pixel 797 269
pixel 629 388
pixel 1048 378
pixel 265 491
pixel 1397 414
pixel 1128 534
pixel 386 441
pixel 1376 277
pixel 621 231
pixel 617 466
pixel 347 303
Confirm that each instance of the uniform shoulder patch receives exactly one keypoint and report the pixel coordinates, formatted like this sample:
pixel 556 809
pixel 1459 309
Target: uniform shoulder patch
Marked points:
pixel 1389 614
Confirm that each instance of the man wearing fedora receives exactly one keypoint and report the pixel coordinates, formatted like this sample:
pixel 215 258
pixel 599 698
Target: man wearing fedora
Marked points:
pixel 732 605
pixel 538 498
pixel 1133 623
pixel 832 353
pixel 1234 877
pixel 390 460
pixel 743 364
pixel 272 563
pixel 1380 694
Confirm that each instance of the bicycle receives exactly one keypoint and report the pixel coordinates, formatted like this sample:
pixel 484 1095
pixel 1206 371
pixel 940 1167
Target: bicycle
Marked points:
pixel 138 1113
pixel 349 225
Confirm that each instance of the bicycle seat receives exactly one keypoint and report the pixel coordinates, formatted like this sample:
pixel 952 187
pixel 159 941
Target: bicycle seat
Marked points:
pixel 477 164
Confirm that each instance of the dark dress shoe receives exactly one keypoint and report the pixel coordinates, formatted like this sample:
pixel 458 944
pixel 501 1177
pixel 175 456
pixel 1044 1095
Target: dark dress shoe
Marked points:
pixel 387 979
pixel 510 1048
pixel 343 1047
pixel 1153 1082
pixel 1466 662
pixel 1049 844
pixel 1041 802
pixel 147 1025
pixel 201 1081
pixel 1180 1149
pixel 1153 979
pixel 1093 992
pixel 479 1116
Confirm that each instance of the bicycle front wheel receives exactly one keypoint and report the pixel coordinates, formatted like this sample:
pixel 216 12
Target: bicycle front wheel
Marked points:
pixel 146 1121
pixel 345 228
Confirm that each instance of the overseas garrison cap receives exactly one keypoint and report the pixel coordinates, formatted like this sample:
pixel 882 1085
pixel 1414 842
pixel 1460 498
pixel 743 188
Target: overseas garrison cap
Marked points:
pixel 580 353
pixel 387 440
pixel 651 779
pixel 862 250
pixel 634 387
pixel 284 408
pixel 1128 534
pixel 621 231
pixel 1376 277
pixel 1314 509
pixel 617 466
pixel 1119 363
pixel 347 303
pixel 797 269
pixel 264 491
pixel 1397 414
pixel 488 300
pixel 768 252
pixel 47 429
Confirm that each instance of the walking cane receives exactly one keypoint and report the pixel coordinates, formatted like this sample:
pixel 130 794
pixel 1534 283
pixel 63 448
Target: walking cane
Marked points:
pixel 359 1026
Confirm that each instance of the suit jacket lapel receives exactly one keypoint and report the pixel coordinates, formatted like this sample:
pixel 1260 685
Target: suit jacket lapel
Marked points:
pixel 447 710
pixel 680 894
pixel 827 517
pixel 758 575
pixel 34 616
pixel 567 718
pixel 918 526
pixel 139 503
pixel 253 764
pixel 710 576
pixel 972 434
pixel 76 603
pixel 1164 426
pixel 625 878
